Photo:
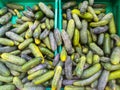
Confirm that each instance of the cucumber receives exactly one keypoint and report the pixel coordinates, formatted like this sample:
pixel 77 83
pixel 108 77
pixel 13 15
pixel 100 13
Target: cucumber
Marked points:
pixel 7 79
pixel 63 54
pixel 34 88
pixel 106 48
pixel 7 49
pixel 84 6
pixel 89 57
pixel 115 58
pixel 44 34
pixel 49 13
pixel 99 30
pixel 43 78
pixel 7 87
pixel 52 41
pixel 96 58
pixel 13 59
pixel 14 73
pixel 39 15
pixel 91 10
pixel 100 16
pixel 93 69
pixel 46 52
pixel 4 71
pixel 47 22
pixel 57 36
pixel 51 23
pixel 111 67
pixel 36 51
pixel 99 23
pixel 114 75
pixel 5 28
pixel 68 14
pixel 96 49
pixel 80 66
pixel 5 41
pixel 70 28
pixel 70 87
pixel 5 18
pixel 17 82
pixel 25 43
pixel 37 32
pixel 22 28
pixel 14 36
pixel 64 24
pixel 26 19
pixel 28 14
pixel 83 32
pixel 3 11
pixel 36 68
pixel 76 37
pixel 46 41
pixel 13 67
pixel 108 17
pixel 14 6
pixel 112 27
pixel 69 4
pixel 68 68
pixel 116 38
pixel 87 81
pixel 30 64
pixel 103 80
pixel 56 78
pixel 66 40
pixel 36 74
pixel 101 39
pixel 15 52
pixel 89 36
pixel 104 59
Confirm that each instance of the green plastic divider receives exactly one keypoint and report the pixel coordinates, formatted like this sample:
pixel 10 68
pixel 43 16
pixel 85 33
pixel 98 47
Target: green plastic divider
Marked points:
pixel 31 3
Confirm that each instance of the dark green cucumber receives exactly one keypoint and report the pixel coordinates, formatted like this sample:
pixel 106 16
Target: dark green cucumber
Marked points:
pixel 39 15
pixel 47 52
pixel 5 28
pixel 30 64
pixel 107 49
pixel 80 66
pixel 4 71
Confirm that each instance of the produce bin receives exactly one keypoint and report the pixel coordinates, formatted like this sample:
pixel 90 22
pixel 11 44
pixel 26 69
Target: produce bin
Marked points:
pixel 30 3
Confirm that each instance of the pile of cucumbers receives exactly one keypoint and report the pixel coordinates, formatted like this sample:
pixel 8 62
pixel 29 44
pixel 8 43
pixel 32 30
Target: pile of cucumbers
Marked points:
pixel 89 58
pixel 27 46
pixel 90 48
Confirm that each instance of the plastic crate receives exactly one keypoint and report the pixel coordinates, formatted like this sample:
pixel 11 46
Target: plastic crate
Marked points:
pixel 30 3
